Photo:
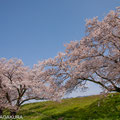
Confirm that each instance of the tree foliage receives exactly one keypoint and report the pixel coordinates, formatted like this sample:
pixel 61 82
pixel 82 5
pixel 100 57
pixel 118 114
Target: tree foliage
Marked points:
pixel 19 84
pixel 95 58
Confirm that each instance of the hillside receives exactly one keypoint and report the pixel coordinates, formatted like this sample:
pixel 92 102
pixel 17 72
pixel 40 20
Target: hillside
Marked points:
pixel 85 108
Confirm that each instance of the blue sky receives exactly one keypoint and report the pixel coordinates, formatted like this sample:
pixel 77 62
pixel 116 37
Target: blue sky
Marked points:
pixel 34 30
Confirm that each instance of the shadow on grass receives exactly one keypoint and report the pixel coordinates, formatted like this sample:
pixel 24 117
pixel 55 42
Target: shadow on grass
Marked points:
pixel 72 114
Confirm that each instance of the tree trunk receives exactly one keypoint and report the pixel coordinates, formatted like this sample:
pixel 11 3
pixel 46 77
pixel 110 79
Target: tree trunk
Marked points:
pixel 1 112
pixel 117 89
pixel 13 114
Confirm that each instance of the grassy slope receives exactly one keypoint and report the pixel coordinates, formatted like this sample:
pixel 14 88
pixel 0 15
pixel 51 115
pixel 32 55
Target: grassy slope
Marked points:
pixel 86 108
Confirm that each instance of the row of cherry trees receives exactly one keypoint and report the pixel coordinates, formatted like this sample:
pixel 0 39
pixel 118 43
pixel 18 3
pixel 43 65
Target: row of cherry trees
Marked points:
pixel 95 58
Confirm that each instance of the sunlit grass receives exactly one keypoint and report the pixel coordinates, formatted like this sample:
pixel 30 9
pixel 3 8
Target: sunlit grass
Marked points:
pixel 84 108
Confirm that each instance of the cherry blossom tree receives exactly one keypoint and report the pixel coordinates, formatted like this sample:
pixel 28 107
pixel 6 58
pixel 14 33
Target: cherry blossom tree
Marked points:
pixel 14 81
pixel 21 84
pixel 95 58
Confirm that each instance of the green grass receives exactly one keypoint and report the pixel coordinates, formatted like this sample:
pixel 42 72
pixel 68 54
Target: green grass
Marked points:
pixel 54 110
pixel 85 108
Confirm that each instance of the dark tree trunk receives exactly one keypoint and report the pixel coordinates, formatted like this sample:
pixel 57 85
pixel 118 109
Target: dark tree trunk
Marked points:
pixel 1 112
pixel 117 89
pixel 13 114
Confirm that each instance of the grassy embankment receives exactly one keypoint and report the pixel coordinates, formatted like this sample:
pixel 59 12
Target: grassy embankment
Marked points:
pixel 85 108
